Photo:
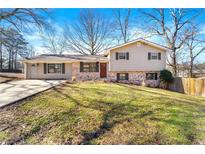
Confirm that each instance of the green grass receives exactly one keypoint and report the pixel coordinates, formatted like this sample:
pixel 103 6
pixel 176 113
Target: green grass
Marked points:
pixel 105 113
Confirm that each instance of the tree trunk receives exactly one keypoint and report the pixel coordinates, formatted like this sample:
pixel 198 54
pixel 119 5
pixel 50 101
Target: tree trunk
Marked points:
pixel 191 63
pixel 1 58
pixel 191 69
pixel 12 60
pixel 174 63
pixel 15 60
pixel 9 67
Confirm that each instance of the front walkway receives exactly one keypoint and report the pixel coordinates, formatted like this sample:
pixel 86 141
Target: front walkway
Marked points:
pixel 13 91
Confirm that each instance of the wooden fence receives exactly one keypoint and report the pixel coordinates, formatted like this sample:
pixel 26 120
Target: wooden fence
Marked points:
pixel 190 86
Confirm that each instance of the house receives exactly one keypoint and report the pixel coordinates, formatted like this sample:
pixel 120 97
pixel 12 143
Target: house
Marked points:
pixel 138 61
pixel 197 72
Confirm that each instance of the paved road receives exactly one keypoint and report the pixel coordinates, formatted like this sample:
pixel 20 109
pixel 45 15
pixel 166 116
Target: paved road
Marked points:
pixel 13 91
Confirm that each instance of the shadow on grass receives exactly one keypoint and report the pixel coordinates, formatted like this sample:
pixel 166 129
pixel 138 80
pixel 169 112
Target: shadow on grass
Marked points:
pixel 114 113
pixel 110 110
pixel 187 127
pixel 182 101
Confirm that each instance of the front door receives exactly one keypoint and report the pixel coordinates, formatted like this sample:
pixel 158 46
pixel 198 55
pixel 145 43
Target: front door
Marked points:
pixel 103 70
pixel 33 71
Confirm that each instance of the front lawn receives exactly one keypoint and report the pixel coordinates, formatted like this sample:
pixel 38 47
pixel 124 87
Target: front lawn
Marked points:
pixel 104 113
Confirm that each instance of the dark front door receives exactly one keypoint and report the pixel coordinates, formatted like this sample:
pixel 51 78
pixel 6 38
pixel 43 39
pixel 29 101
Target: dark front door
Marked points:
pixel 103 70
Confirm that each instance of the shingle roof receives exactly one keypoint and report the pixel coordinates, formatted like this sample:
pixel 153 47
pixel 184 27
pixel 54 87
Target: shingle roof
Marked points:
pixel 106 51
pixel 67 57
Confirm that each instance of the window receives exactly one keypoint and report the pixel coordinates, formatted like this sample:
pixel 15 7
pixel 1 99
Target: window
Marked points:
pixel 54 68
pixel 122 76
pixel 122 55
pixel 151 76
pixel 154 56
pixel 89 67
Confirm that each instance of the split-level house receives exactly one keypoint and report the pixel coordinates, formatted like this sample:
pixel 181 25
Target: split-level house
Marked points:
pixel 138 61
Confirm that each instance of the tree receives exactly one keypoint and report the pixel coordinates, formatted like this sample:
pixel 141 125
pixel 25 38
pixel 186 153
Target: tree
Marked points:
pixel 30 52
pixel 54 41
pixel 194 46
pixel 122 23
pixel 16 20
pixel 13 43
pixel 3 43
pixel 173 25
pixel 89 35
pixel 1 49
pixel 23 19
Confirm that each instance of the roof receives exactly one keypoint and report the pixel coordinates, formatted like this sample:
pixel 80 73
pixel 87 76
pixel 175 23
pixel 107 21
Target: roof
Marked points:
pixel 135 41
pixel 66 57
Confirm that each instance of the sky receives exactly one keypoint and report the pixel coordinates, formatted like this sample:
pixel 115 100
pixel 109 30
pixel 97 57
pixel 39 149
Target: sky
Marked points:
pixel 62 15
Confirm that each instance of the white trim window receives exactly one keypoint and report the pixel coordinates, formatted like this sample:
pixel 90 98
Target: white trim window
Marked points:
pixel 89 67
pixel 151 76
pixel 154 56
pixel 122 55
pixel 122 76
pixel 55 68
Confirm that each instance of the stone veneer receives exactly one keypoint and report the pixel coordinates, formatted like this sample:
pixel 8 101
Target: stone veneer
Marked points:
pixel 83 75
pixel 138 78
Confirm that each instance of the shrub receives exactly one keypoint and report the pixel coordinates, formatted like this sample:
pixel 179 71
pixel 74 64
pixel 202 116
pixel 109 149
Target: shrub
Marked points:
pixel 166 77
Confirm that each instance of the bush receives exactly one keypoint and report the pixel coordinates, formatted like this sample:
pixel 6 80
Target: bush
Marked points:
pixel 166 76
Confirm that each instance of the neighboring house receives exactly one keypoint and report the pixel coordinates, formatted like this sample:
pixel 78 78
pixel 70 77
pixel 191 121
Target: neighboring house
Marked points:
pixel 198 70
pixel 139 61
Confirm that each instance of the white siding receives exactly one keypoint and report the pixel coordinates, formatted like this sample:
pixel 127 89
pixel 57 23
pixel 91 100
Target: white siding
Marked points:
pixel 40 72
pixel 138 59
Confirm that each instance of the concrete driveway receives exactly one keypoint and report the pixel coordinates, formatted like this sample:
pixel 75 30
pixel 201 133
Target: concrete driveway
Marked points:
pixel 13 91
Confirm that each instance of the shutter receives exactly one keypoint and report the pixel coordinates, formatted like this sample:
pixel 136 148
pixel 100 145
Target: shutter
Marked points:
pixel 155 76
pixel 118 76
pixel 63 68
pixel 97 67
pixel 159 55
pixel 149 55
pixel 146 76
pixel 126 76
pixel 44 65
pixel 116 55
pixel 127 55
pixel 81 66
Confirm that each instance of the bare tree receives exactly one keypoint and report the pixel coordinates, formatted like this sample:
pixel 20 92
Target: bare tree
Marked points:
pixel 15 42
pixel 88 35
pixel 53 41
pixel 13 21
pixel 23 19
pixel 194 46
pixel 122 22
pixel 173 25
pixel 1 48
